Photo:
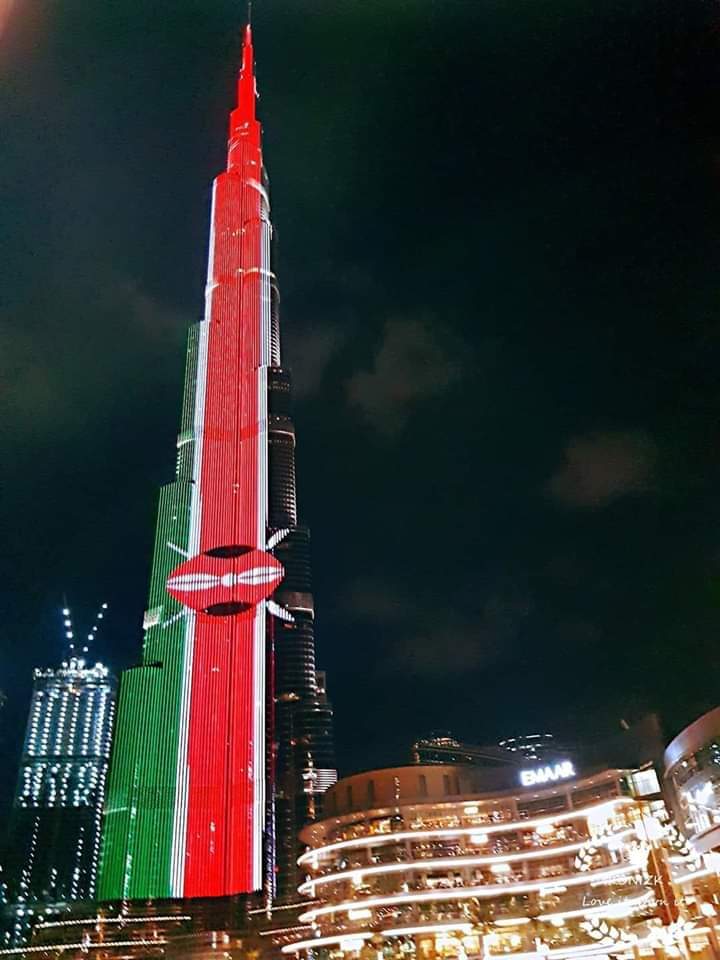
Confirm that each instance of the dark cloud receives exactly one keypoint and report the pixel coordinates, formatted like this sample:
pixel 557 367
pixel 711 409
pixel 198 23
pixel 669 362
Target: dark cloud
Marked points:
pixel 415 361
pixel 367 600
pixel 601 467
pixel 428 638
pixel 446 644
pixel 101 330
pixel 311 351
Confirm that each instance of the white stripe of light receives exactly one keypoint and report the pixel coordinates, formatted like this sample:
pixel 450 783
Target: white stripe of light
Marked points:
pixel 324 941
pixel 379 838
pixel 428 928
pixel 464 893
pixel 177 862
pixel 440 862
pixel 261 614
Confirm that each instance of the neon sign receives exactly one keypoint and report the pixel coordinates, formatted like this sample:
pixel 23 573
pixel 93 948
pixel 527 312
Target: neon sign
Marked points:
pixel 563 770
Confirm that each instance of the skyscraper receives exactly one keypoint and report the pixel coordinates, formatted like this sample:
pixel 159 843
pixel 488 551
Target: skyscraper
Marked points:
pixel 224 734
pixel 52 849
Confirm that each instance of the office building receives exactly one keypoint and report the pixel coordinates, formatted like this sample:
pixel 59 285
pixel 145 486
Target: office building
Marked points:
pixel 52 849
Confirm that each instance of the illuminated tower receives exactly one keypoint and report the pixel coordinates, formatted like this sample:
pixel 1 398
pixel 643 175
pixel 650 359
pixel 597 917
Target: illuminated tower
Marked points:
pixel 52 849
pixel 214 766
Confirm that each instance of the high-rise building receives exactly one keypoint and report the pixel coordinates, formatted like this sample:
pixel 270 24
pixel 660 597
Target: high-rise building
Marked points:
pixel 224 733
pixel 52 849
pixel 443 747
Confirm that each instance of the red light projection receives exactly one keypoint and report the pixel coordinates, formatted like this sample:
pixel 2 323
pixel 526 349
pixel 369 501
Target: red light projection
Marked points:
pixel 226 581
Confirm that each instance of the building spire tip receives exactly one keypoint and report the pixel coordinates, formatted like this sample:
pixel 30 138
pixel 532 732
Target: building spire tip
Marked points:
pixel 246 80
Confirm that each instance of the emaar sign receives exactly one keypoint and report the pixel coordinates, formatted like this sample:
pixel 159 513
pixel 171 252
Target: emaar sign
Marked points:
pixel 563 770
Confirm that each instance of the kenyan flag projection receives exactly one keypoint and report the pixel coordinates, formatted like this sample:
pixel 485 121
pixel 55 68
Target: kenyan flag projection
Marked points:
pixel 186 808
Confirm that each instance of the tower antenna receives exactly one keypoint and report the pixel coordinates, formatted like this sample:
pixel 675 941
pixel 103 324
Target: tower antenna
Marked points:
pixel 68 627
pixel 92 635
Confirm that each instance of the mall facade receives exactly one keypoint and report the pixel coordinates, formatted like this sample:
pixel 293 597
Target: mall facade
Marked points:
pixel 434 860
pixel 692 781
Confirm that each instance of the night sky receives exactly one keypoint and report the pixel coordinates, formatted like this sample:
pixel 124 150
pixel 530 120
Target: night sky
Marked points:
pixel 499 236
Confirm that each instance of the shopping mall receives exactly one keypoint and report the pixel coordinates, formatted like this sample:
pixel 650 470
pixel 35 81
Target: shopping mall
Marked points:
pixel 440 860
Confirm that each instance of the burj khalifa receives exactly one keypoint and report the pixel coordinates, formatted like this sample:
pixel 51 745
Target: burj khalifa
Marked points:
pixel 223 743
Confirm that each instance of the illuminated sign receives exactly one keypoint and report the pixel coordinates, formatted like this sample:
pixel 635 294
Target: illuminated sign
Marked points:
pixel 550 773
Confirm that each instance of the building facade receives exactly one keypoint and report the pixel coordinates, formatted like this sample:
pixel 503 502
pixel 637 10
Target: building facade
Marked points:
pixel 224 733
pixel 692 780
pixel 440 860
pixel 53 844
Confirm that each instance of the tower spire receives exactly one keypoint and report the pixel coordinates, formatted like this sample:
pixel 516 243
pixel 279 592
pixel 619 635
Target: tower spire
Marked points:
pixel 243 123
pixel 68 626
pixel 246 83
pixel 96 626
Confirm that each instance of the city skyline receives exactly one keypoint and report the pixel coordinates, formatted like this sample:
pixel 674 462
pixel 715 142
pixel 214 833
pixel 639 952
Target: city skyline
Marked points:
pixel 589 527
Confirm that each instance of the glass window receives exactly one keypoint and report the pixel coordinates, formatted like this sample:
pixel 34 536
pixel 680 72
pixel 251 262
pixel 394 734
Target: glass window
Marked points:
pixel 701 805
pixel 644 783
